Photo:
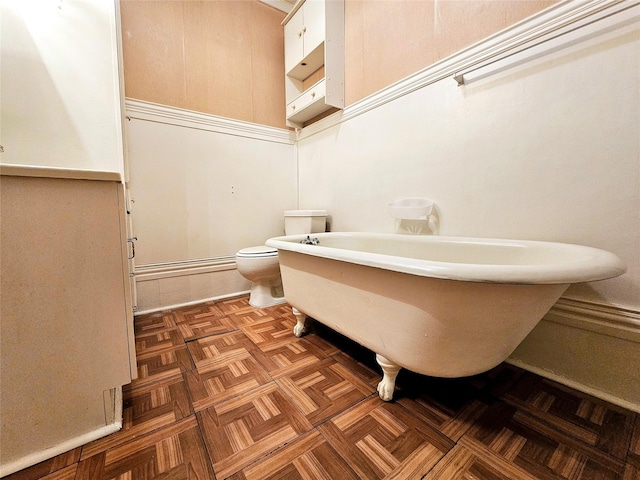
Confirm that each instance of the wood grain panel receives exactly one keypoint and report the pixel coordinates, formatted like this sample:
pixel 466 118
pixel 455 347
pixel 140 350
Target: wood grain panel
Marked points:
pixel 145 409
pixel 218 69
pixel 62 467
pixel 387 41
pixel 382 440
pixel 240 431
pixel 460 23
pixel 164 364
pixel 324 389
pixel 284 358
pixel 215 348
pixel 310 456
pixel 219 381
pixel 205 325
pixel 154 322
pixel 176 451
pixel 153 51
pixel 267 60
pixel 155 342
pixel 270 331
pixel 396 41
pixel 540 448
pixel 220 57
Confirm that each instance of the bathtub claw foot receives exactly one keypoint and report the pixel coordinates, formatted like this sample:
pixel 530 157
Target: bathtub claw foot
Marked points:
pixel 390 371
pixel 300 328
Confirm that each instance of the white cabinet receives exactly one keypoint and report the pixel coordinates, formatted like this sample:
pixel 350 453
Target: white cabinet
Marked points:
pixel 304 40
pixel 314 40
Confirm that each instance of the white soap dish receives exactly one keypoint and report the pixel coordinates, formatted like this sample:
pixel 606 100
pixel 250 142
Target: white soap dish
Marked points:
pixel 411 208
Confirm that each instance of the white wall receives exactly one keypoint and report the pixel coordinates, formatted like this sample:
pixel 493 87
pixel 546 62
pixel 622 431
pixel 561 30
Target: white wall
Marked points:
pixel 60 87
pixel 202 187
pixel 544 146
pixel 547 149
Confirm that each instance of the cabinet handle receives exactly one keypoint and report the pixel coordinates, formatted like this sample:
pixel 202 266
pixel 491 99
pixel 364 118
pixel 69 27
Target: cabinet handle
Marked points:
pixel 304 29
pixel 313 94
pixel 132 241
pixel 293 107
pixel 300 34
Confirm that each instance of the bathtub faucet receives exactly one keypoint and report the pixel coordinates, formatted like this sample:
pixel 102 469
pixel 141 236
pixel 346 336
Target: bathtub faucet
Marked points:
pixel 310 241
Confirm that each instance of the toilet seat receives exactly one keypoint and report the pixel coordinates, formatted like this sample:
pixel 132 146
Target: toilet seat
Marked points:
pixel 260 252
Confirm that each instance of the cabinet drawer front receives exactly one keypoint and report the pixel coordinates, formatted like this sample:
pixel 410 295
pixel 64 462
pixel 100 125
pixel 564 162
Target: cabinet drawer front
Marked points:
pixel 307 99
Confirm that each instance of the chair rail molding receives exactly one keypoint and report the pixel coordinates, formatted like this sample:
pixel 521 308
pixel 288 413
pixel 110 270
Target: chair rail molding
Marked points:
pixel 181 268
pixel 153 112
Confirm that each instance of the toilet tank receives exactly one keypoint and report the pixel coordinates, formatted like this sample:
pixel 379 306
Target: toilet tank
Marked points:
pixel 304 221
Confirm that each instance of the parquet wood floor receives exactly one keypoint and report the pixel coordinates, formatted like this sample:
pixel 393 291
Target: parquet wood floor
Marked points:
pixel 226 391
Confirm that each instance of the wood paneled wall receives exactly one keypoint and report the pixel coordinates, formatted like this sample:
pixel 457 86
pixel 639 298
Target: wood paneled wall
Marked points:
pixel 387 40
pixel 226 57
pixel 220 57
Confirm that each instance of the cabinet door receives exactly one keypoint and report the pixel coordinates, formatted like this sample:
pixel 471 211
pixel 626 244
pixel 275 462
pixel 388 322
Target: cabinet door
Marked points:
pixel 314 25
pixel 293 41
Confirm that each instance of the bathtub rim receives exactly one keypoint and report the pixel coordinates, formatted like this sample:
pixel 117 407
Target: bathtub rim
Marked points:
pixel 594 264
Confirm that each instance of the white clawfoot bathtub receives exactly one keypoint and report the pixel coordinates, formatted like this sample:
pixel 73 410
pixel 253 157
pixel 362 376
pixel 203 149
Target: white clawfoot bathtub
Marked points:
pixel 439 306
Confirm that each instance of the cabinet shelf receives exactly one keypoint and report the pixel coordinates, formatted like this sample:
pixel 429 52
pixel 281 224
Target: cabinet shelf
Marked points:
pixel 309 64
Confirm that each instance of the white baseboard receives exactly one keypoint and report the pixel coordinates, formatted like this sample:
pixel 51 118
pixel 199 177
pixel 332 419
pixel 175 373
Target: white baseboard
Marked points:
pixel 113 400
pixel 194 302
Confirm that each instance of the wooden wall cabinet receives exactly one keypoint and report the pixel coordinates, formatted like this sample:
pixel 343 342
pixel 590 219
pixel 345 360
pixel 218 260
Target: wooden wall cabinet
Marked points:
pixel 313 40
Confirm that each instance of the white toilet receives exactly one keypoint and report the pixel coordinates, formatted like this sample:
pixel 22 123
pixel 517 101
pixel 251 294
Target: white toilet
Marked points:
pixel 260 264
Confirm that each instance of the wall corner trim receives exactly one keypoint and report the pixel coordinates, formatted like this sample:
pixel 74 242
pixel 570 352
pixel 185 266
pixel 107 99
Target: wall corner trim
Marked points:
pixel 563 17
pixel 153 112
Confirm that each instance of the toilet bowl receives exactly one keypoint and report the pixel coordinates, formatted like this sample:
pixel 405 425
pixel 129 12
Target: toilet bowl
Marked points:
pixel 260 264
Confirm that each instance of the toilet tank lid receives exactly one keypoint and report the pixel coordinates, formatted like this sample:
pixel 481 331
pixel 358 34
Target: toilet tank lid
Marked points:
pixel 305 213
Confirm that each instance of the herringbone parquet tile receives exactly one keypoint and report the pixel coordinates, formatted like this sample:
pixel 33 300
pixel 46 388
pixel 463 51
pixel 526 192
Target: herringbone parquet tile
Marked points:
pixel 324 389
pixel 383 440
pixel 154 322
pixel 172 452
pixel 282 358
pixel 247 427
pixel 269 330
pixel 216 348
pixel 204 325
pixel 146 408
pixel 162 364
pixel 148 343
pixel 309 456
pixel 226 391
pixel 232 376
